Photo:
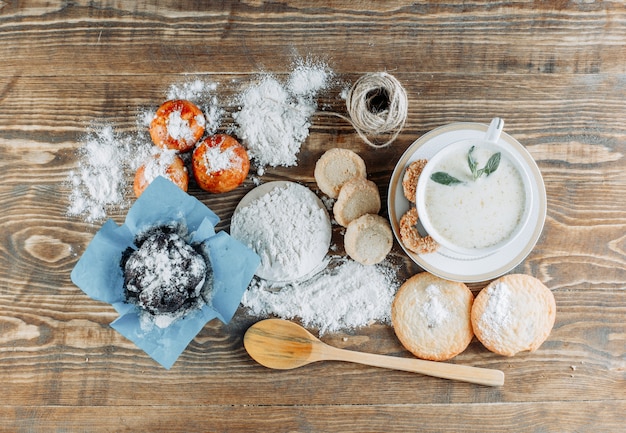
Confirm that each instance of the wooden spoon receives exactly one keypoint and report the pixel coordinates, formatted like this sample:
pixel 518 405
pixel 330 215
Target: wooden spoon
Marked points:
pixel 283 345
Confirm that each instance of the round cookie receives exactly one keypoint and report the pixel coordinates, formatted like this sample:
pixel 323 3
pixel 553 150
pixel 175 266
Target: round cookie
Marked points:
pixel 431 316
pixel 513 313
pixel 357 197
pixel 335 167
pixel 368 239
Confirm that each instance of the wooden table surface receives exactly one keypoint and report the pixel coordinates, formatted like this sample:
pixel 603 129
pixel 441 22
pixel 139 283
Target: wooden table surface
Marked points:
pixel 554 70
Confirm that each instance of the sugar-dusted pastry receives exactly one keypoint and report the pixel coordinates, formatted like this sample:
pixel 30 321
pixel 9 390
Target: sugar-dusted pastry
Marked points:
pixel 431 316
pixel 178 124
pixel 220 163
pixel 166 164
pixel 514 313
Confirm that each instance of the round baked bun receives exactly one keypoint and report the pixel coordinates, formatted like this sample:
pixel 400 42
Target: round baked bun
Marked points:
pixel 220 164
pixel 431 317
pixel 178 124
pixel 166 164
pixel 335 167
pixel 357 197
pixel 368 239
pixel 513 313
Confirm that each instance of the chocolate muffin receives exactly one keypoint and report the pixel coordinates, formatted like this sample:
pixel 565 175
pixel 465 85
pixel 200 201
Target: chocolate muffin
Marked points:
pixel 165 275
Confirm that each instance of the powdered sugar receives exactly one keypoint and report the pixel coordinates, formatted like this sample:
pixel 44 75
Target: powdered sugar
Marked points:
pixel 158 164
pixel 106 159
pixel 433 310
pixel 347 296
pixel 496 319
pixel 287 228
pixel 179 128
pixel 217 159
pixel 274 118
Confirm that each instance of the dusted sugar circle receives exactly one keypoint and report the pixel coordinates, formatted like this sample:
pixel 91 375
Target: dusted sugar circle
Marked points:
pixel 220 164
pixel 166 164
pixel 335 167
pixel 178 124
pixel 514 313
pixel 357 197
pixel 431 316
pixel 368 239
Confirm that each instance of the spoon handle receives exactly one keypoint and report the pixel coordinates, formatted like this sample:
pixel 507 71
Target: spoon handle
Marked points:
pixel 481 376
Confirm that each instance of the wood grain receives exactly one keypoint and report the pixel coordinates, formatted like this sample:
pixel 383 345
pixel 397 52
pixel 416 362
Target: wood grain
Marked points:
pixel 554 70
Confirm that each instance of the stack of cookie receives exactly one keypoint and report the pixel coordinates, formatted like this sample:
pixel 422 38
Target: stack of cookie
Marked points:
pixel 341 175
pixel 436 319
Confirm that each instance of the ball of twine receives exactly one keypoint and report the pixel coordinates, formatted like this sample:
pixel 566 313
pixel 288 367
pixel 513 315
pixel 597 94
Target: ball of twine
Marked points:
pixel 377 104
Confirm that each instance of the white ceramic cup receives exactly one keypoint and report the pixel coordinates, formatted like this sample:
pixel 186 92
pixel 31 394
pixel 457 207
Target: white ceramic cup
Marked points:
pixel 455 217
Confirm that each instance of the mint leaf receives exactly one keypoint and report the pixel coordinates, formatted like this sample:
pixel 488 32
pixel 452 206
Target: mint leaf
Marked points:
pixel 444 178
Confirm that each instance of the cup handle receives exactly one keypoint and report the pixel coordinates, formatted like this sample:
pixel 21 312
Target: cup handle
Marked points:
pixel 495 129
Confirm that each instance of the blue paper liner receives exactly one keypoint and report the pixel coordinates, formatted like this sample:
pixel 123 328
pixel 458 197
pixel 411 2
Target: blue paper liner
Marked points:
pixel 99 275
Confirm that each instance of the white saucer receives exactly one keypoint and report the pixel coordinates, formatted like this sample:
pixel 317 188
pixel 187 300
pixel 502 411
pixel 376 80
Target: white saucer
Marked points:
pixel 445 263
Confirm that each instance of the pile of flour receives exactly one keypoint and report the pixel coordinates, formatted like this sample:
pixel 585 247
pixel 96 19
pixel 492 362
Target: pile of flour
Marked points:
pixel 274 117
pixel 287 228
pixel 344 296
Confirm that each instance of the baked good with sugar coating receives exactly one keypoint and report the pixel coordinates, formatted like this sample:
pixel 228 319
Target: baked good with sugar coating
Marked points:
pixel 220 164
pixel 431 316
pixel 368 239
pixel 178 124
pixel 357 197
pixel 166 164
pixel 335 167
pixel 514 313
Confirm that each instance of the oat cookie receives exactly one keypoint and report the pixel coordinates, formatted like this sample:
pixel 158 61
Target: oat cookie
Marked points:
pixel 336 167
pixel 431 317
pixel 357 197
pixel 368 239
pixel 513 313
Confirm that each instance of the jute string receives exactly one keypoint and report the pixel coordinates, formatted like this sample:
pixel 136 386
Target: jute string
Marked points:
pixel 377 105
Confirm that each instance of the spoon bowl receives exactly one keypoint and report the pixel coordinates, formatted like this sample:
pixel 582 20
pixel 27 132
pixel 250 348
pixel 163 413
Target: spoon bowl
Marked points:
pixel 284 345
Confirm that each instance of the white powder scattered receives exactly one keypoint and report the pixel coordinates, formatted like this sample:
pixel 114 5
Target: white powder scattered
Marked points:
pixel 496 318
pixel 274 118
pixel 106 160
pixel 203 94
pixel 158 164
pixel 433 310
pixel 181 129
pixel 216 159
pixel 348 296
pixel 287 228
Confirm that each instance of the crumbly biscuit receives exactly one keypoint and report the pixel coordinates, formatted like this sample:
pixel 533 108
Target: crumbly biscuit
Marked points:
pixel 336 167
pixel 431 316
pixel 368 239
pixel 409 180
pixel 357 197
pixel 513 313
pixel 411 238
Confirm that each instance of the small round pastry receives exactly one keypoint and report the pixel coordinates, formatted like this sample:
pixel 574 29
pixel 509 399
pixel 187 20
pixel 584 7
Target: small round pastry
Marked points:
pixel 220 164
pixel 178 124
pixel 410 178
pixel 357 197
pixel 166 164
pixel 513 313
pixel 411 237
pixel 368 239
pixel 431 317
pixel 335 167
